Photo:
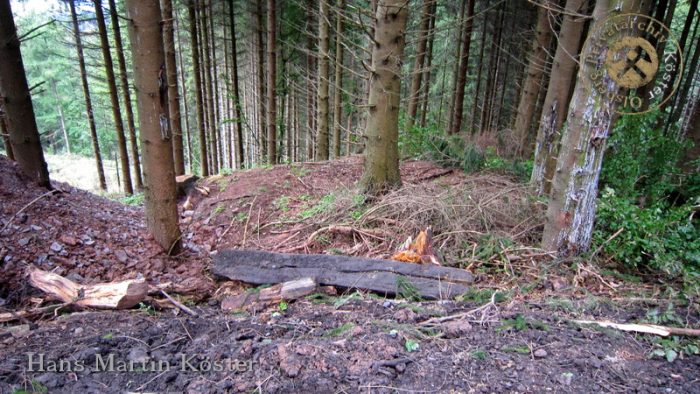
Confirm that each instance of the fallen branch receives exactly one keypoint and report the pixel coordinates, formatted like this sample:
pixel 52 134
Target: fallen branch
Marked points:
pixel 113 295
pixel 178 304
pixel 645 328
pixel 20 315
pixel 283 291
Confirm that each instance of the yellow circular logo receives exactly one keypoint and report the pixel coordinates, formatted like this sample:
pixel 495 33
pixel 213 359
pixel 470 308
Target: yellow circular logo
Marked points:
pixel 633 62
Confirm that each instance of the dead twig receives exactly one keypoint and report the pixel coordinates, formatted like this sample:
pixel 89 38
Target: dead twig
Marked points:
pixel 179 304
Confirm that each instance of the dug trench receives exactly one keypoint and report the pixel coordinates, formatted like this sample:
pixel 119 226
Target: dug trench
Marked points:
pixel 521 338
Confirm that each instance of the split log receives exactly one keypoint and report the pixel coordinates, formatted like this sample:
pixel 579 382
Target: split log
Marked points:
pixel 113 295
pixel 381 276
pixel 283 291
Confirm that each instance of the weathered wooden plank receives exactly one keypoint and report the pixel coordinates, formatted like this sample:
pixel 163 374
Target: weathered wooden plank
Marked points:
pixel 258 267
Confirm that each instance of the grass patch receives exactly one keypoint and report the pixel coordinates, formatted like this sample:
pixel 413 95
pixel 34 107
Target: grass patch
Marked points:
pixel 135 199
pixel 479 354
pixel 323 205
pixel 338 331
pixel 522 349
pixel 281 203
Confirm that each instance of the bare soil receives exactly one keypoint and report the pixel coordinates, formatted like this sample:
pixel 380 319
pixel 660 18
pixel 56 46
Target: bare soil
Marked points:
pixel 345 343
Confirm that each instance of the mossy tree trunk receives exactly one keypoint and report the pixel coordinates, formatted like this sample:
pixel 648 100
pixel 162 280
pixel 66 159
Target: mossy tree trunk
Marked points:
pixel 571 209
pixel 556 101
pixel 156 145
pixel 381 146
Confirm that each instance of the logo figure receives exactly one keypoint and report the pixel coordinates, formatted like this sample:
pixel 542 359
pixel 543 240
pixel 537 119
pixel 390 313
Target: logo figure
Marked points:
pixel 632 62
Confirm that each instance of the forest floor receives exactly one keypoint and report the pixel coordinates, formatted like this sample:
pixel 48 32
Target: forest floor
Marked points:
pixel 520 334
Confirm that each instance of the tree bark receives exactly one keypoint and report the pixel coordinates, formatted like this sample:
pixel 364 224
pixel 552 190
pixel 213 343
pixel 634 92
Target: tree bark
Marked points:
pixel 187 137
pixel 458 109
pixel 152 95
pixel 121 63
pixel 531 85
pixel 337 94
pixel 217 139
pixel 571 210
pixel 173 92
pixel 199 100
pixel 416 78
pixel 322 131
pixel 19 111
pixel 114 98
pixel 381 148
pixel 556 102
pixel 236 91
pixel 271 120
pixel 5 133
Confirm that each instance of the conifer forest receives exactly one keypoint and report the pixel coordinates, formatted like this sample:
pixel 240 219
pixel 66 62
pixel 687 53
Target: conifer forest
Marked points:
pixel 444 196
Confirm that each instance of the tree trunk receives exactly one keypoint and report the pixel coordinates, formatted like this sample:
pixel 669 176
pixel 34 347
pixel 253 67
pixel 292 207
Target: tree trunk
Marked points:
pixel 236 92
pixel 382 150
pixel 173 98
pixel 531 85
pixel 689 161
pixel 209 91
pixel 5 133
pixel 310 88
pixel 187 138
pixel 217 139
pixel 571 210
pixel 271 120
pixel 475 104
pixel 455 69
pixel 199 100
pixel 556 102
pixel 425 95
pixel 121 62
pixel 458 109
pixel 416 78
pixel 152 96
pixel 88 100
pixel 19 111
pixel 262 126
pixel 337 94
pixel 61 118
pixel 113 95
pixel 322 130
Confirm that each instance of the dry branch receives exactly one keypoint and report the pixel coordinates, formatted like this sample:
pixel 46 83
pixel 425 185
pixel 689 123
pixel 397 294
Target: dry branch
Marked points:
pixel 645 328
pixel 113 295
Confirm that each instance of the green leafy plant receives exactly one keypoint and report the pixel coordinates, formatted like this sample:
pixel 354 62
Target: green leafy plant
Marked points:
pixel 323 205
pixel 407 290
pixel 282 203
pixel 411 345
pixel 282 306
pixel 135 199
pixel 338 331
pixel 479 354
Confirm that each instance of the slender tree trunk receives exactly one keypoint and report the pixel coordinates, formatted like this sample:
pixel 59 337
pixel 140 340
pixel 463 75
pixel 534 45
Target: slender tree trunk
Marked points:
pixel 416 78
pixel 463 65
pixel 199 100
pixel 677 101
pixel 271 120
pixel 262 128
pixel 322 131
pixel 455 70
pixel 691 155
pixel 533 76
pixel 425 95
pixel 88 99
pixel 236 91
pixel 475 104
pixel 19 111
pixel 61 118
pixel 382 150
pixel 571 209
pixel 209 91
pixel 121 62
pixel 152 96
pixel 173 99
pixel 214 86
pixel 310 88
pixel 337 94
pixel 556 102
pixel 487 110
pixel 188 139
pixel 113 95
